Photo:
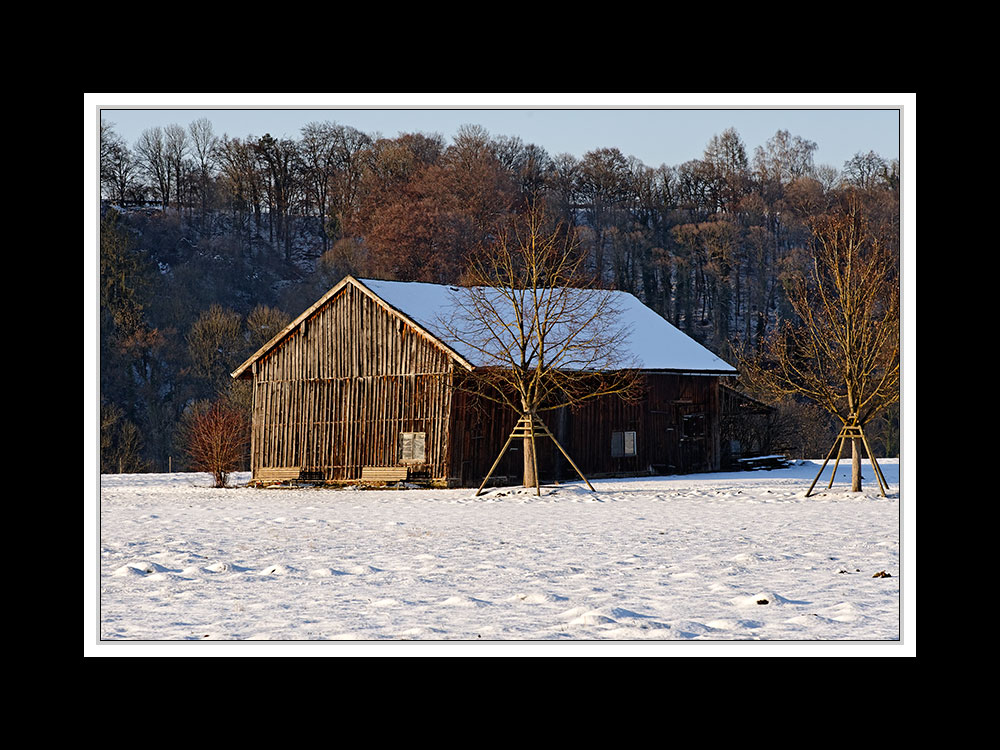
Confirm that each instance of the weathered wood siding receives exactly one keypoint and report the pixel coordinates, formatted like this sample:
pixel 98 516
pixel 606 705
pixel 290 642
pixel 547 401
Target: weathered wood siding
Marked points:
pixel 479 429
pixel 676 426
pixel 335 395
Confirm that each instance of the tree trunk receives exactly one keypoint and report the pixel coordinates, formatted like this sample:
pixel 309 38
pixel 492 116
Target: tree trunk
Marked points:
pixel 855 465
pixel 530 477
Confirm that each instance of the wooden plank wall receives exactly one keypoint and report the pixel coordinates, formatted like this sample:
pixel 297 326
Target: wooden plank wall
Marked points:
pixel 676 425
pixel 479 429
pixel 664 441
pixel 334 396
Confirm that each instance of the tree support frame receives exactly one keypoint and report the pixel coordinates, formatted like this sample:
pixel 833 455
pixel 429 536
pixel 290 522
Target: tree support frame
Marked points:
pixel 851 430
pixel 527 427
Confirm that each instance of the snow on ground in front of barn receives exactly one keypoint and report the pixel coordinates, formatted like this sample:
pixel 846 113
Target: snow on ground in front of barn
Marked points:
pixel 709 557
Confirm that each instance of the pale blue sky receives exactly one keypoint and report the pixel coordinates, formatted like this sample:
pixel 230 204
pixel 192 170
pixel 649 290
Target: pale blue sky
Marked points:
pixel 639 126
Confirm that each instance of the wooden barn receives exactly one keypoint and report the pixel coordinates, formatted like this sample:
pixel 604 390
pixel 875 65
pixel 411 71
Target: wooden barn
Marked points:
pixel 362 386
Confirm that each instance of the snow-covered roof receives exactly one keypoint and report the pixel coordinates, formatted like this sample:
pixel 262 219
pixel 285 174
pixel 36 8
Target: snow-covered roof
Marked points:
pixel 651 342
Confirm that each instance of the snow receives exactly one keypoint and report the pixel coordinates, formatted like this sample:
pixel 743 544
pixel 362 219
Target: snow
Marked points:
pixel 652 343
pixel 655 561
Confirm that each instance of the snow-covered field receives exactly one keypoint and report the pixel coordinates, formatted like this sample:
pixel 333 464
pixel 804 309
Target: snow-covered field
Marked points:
pixel 716 558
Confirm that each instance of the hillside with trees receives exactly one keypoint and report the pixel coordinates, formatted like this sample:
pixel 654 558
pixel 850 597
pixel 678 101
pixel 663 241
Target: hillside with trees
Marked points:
pixel 210 244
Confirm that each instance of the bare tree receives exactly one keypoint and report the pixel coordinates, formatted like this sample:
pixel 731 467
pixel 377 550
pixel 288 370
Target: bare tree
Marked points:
pixel 263 323
pixel 118 168
pixel 151 152
pixel 205 144
pixel 242 180
pixel 726 159
pixel 215 345
pixel 176 148
pixel 784 158
pixel 331 172
pixel 215 436
pixel 280 157
pixel 603 187
pixel 121 442
pixel 842 352
pixel 865 170
pixel 544 340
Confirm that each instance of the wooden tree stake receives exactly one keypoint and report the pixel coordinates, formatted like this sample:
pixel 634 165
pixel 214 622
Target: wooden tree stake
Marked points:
pixel 525 428
pixel 850 431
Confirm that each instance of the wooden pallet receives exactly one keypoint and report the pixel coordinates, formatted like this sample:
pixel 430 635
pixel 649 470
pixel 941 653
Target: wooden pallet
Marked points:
pixel 384 474
pixel 274 474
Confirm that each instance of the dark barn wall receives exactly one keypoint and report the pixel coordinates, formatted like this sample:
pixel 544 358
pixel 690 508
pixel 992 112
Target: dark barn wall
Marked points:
pixel 747 428
pixel 479 428
pixel 337 393
pixel 676 426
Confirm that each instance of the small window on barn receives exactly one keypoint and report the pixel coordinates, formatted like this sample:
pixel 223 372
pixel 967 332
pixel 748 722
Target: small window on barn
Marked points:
pixel 622 444
pixel 694 426
pixel 412 447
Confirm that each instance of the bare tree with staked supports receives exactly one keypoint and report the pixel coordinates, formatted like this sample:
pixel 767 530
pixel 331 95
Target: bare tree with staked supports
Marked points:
pixel 843 350
pixel 545 338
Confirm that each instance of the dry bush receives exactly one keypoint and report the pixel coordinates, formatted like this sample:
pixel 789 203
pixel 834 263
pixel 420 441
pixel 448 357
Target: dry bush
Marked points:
pixel 215 436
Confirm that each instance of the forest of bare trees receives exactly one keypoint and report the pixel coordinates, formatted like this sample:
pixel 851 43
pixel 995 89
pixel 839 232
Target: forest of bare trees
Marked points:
pixel 210 243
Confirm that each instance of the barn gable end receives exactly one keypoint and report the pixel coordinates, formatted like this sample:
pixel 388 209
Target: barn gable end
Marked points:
pixel 350 383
